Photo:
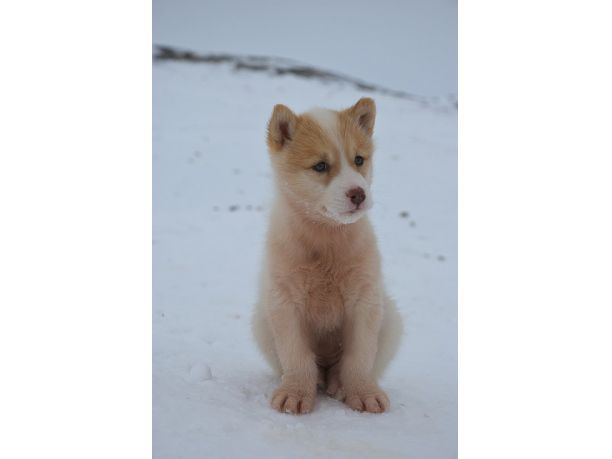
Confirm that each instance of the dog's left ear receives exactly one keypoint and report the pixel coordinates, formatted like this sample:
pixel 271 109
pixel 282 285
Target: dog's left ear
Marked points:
pixel 281 127
pixel 364 113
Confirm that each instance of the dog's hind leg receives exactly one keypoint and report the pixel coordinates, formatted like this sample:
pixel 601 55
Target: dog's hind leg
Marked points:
pixel 389 338
pixel 264 338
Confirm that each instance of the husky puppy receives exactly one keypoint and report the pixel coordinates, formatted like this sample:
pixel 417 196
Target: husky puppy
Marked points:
pixel 323 317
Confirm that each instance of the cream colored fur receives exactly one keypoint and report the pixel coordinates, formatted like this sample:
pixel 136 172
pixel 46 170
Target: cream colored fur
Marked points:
pixel 323 317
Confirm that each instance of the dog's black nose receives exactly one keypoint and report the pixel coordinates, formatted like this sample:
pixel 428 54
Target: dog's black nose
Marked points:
pixel 357 195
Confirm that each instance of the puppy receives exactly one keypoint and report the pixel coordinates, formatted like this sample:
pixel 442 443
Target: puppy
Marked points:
pixel 323 317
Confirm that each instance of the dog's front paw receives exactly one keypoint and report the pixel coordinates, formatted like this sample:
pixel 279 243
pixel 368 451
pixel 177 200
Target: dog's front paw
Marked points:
pixel 367 397
pixel 294 398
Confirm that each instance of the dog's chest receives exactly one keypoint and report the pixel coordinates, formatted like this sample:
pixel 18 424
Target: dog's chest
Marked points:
pixel 325 280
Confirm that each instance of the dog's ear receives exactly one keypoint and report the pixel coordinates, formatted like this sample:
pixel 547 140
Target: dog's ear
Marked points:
pixel 364 113
pixel 281 127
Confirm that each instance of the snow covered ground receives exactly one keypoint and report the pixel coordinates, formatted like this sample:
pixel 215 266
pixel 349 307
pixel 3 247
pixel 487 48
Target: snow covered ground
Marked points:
pixel 212 192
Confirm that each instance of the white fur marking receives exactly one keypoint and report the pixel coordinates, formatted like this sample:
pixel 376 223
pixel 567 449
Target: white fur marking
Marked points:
pixel 335 200
pixel 328 120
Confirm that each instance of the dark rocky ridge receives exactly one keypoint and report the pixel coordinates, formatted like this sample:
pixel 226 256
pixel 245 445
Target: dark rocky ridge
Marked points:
pixel 281 66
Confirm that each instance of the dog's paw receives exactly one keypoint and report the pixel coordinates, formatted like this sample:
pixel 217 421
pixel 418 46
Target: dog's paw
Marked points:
pixel 367 397
pixel 294 399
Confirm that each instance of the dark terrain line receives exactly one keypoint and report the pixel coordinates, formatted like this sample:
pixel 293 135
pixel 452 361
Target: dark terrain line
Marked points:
pixel 281 66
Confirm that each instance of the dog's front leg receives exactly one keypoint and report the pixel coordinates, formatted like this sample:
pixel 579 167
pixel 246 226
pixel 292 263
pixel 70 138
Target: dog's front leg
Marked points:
pixel 297 391
pixel 360 338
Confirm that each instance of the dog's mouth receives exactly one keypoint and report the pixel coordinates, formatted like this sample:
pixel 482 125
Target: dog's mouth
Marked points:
pixel 353 211
pixel 356 210
pixel 363 207
pixel 345 217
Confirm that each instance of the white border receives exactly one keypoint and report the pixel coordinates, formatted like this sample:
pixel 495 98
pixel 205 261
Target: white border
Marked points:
pixel 75 250
pixel 535 272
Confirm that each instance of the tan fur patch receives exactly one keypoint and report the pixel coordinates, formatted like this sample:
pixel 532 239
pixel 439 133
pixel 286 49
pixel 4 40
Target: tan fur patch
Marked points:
pixel 310 143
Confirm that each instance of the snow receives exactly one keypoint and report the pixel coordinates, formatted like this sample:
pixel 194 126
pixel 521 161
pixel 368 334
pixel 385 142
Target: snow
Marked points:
pixel 200 372
pixel 212 192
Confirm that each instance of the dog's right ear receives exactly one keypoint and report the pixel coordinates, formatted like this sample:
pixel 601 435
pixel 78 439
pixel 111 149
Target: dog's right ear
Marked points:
pixel 281 127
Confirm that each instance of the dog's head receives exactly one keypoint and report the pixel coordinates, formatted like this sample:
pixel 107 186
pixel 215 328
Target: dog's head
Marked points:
pixel 323 159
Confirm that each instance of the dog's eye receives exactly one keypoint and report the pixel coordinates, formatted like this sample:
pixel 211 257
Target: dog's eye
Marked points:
pixel 320 167
pixel 359 160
